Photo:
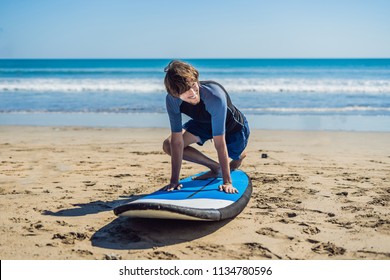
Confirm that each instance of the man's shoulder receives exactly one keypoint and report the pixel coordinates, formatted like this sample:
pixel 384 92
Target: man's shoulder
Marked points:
pixel 171 99
pixel 212 85
pixel 215 91
pixel 172 103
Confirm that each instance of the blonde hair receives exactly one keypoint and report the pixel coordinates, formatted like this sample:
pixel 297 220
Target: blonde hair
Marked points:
pixel 179 77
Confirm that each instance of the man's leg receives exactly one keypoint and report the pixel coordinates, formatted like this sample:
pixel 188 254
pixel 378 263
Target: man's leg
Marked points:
pixel 237 146
pixel 193 155
pixel 235 164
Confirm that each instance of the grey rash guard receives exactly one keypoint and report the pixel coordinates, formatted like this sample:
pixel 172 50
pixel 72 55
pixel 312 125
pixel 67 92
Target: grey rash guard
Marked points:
pixel 215 109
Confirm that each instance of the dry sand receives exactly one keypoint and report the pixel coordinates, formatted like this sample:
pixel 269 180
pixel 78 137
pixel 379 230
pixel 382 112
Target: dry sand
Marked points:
pixel 318 195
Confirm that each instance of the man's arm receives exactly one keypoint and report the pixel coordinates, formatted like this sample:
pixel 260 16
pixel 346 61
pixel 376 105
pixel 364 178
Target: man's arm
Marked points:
pixel 223 158
pixel 177 146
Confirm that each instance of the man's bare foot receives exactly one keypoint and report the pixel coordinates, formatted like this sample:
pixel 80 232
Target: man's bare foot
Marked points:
pixel 208 175
pixel 235 164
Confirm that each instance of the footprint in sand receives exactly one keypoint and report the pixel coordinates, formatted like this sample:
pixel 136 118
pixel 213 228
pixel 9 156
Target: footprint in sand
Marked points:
pixel 83 253
pixel 329 249
pixel 162 255
pixel 89 183
pixel 71 237
pixel 260 250
pixel 308 229
pixel 112 256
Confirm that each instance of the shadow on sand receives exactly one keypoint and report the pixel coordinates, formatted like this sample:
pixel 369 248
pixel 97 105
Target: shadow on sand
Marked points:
pixel 128 233
pixel 83 209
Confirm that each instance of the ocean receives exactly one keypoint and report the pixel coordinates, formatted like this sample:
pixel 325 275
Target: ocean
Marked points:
pixel 303 94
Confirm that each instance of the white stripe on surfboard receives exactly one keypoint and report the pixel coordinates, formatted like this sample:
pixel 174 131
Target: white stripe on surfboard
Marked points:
pixel 199 203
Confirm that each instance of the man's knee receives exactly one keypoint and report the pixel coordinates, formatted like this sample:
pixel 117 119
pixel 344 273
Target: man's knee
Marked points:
pixel 167 146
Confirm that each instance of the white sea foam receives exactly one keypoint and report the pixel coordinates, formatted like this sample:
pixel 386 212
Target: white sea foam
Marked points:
pixel 240 85
pixel 82 85
pixel 307 85
pixel 318 110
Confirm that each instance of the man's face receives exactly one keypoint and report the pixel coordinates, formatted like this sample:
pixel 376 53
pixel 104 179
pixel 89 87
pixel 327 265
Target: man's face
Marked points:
pixel 192 95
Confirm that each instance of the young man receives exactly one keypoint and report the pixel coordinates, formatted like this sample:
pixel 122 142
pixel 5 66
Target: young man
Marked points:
pixel 213 116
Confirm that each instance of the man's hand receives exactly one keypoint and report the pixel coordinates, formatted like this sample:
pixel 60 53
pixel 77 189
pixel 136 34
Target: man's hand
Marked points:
pixel 228 188
pixel 172 186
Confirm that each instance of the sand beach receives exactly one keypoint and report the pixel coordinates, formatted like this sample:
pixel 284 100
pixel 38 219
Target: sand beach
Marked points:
pixel 317 195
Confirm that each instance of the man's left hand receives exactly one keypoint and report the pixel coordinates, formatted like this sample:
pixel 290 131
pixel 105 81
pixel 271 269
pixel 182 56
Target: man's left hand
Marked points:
pixel 228 188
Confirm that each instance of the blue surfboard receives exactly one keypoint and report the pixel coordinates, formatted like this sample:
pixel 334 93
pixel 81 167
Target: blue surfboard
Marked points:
pixel 196 200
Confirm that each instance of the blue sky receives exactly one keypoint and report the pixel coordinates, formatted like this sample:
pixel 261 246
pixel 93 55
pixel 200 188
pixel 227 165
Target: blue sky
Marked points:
pixel 194 29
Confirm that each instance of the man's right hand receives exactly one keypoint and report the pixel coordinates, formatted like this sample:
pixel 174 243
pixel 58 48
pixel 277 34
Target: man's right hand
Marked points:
pixel 172 186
